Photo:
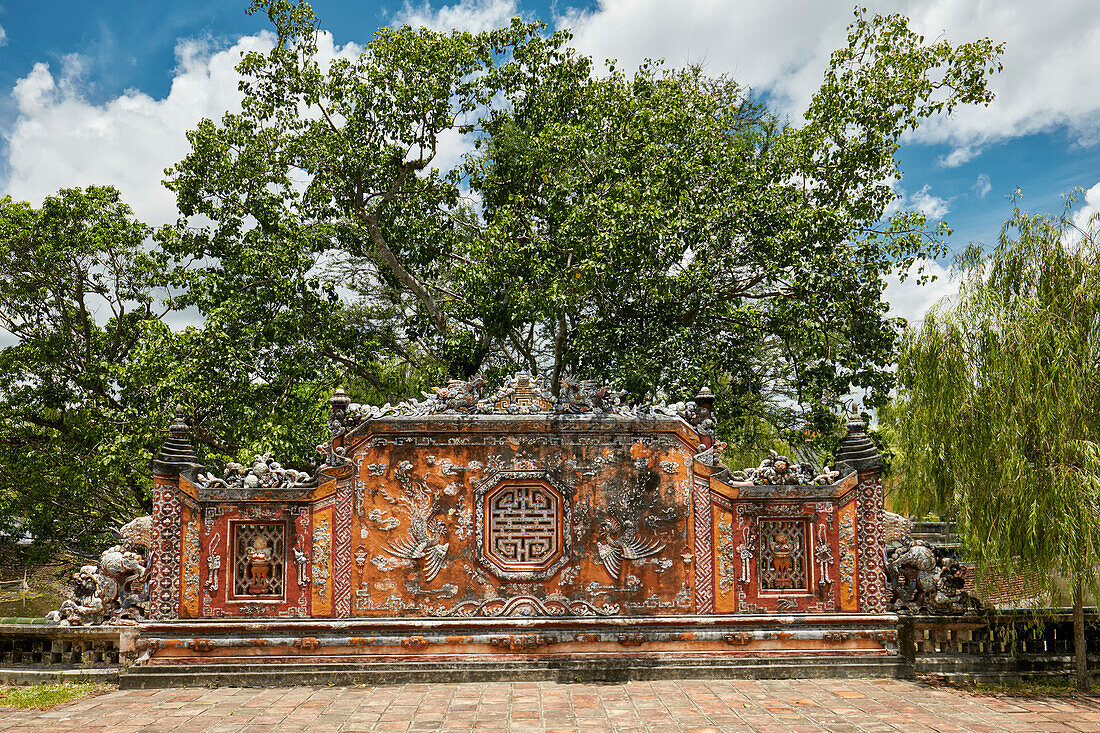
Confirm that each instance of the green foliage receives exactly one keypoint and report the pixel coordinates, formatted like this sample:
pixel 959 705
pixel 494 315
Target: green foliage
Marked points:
pixel 75 289
pixel 86 392
pixel 655 227
pixel 998 421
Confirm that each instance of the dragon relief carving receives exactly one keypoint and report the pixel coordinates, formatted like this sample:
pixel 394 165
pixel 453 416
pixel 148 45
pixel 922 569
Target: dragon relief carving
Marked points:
pixel 424 544
pixel 627 502
pixel 460 396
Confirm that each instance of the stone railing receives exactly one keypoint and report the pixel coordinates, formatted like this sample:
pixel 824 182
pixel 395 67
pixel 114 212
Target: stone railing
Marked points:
pixel 32 651
pixel 996 645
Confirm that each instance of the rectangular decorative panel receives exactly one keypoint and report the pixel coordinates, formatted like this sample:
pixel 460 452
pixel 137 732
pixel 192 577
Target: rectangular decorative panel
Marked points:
pixel 727 561
pixel 783 566
pixel 259 560
pixel 849 582
pixel 321 563
pixel 190 562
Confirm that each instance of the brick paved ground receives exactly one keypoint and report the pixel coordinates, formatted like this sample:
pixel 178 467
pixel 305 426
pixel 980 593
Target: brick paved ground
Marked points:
pixel 781 705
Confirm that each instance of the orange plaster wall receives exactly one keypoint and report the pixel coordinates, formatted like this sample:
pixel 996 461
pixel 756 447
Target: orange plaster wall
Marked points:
pixel 620 479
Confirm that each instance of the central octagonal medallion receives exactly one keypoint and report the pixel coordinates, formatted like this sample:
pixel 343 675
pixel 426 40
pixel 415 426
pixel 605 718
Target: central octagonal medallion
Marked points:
pixel 524 524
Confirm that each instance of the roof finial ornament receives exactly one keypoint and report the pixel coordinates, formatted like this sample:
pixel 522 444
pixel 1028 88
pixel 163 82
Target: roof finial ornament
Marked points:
pixel 337 426
pixel 856 423
pixel 857 450
pixel 177 450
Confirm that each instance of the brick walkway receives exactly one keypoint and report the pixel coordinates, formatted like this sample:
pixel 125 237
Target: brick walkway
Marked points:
pixel 738 705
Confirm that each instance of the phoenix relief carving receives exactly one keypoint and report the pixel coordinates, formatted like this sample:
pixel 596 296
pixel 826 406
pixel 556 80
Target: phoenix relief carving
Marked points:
pixel 424 543
pixel 627 502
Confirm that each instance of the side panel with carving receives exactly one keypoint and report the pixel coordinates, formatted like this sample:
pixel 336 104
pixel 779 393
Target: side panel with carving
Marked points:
pixel 190 588
pixel 846 566
pixel 727 561
pixel 164 596
pixel 321 565
pixel 704 552
pixel 871 562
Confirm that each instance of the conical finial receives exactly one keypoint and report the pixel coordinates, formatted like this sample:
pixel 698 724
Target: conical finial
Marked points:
pixel 179 427
pixel 856 449
pixel 856 423
pixel 176 452
pixel 339 400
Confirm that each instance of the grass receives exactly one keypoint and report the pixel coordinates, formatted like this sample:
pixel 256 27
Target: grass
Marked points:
pixel 43 697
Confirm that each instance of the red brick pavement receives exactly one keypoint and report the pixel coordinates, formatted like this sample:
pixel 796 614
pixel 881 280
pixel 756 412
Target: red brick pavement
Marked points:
pixel 546 707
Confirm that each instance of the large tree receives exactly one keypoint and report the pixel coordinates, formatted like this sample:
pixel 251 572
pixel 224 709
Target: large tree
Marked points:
pixel 75 291
pixel 658 227
pixel 96 370
pixel 999 415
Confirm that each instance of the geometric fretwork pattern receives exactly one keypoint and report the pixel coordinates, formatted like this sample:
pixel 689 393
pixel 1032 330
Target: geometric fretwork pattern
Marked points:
pixel 524 524
pixel 783 555
pixel 259 559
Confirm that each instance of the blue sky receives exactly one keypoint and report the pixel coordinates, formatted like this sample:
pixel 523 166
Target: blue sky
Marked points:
pixel 103 92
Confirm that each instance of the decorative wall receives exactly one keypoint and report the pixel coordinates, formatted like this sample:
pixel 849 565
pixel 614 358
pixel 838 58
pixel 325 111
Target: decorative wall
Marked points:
pixel 518 503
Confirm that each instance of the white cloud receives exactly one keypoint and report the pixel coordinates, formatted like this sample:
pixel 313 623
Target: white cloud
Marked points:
pixel 468 15
pixel 784 47
pixel 982 186
pixel 1050 57
pixel 911 300
pixel 60 139
pixel 959 156
pixel 772 44
pixel 931 206
pixel 3 36
pixel 1087 217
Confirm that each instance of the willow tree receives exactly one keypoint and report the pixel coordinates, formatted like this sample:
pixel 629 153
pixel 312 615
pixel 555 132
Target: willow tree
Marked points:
pixel 1000 422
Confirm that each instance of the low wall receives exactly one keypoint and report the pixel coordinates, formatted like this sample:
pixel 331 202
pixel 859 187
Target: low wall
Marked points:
pixel 40 652
pixel 1000 645
pixel 996 645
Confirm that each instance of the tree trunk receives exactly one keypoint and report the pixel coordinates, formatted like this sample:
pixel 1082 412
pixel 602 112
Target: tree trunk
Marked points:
pixel 1079 652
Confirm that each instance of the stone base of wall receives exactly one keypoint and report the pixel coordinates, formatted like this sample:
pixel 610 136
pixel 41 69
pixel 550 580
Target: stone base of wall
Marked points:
pixel 41 645
pixel 995 646
pixel 608 668
pixel 308 641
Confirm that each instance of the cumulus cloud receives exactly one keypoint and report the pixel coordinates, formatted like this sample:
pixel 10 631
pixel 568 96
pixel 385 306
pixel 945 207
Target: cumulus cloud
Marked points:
pixel 910 299
pixel 468 15
pixel 982 186
pixel 783 47
pixel 1087 217
pixel 931 206
pixel 959 156
pixel 60 139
